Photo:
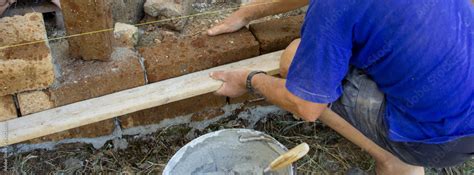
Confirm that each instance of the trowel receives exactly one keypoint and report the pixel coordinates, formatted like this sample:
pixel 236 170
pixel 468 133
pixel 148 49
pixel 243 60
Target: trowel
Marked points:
pixel 287 159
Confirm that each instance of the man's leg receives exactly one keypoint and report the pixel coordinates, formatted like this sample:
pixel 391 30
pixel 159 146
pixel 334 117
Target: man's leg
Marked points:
pixel 386 163
pixel 4 4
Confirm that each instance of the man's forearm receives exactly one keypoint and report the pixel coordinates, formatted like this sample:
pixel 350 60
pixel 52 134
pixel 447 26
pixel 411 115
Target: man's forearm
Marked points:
pixel 261 8
pixel 276 93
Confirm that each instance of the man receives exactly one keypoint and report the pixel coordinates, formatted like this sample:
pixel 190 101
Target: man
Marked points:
pixel 401 72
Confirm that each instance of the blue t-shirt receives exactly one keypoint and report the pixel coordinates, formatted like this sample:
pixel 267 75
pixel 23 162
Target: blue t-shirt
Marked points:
pixel 419 52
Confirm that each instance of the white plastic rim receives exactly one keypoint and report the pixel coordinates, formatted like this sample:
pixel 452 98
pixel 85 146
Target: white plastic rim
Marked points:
pixel 210 139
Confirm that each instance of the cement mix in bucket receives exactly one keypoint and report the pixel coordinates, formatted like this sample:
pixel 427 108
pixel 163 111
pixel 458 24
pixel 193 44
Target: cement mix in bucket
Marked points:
pixel 227 152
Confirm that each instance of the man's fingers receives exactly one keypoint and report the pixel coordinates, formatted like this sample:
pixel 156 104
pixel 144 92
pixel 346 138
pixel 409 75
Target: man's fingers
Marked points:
pixel 219 29
pixel 218 75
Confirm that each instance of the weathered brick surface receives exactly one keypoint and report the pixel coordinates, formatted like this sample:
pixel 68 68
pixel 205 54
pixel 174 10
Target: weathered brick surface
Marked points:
pixel 24 67
pixel 201 107
pixel 277 34
pixel 125 35
pixel 98 129
pixel 34 101
pixel 168 9
pixel 175 58
pixel 88 16
pixel 7 108
pixel 81 80
pixel 128 11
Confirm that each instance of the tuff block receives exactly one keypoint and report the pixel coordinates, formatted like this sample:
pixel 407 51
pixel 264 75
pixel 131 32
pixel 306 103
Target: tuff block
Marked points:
pixel 90 20
pixel 175 58
pixel 200 107
pixel 277 34
pixel 34 101
pixel 7 108
pixel 81 80
pixel 25 56
pixel 93 130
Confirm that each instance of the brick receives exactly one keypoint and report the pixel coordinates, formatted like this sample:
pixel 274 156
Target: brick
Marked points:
pixel 34 101
pixel 88 16
pixel 93 130
pixel 130 12
pixel 24 67
pixel 175 58
pixel 21 8
pixel 277 34
pixel 167 9
pixel 125 35
pixel 201 107
pixel 81 80
pixel 7 108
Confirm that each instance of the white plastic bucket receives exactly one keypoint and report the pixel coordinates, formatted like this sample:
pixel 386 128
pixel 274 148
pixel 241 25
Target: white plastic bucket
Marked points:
pixel 229 151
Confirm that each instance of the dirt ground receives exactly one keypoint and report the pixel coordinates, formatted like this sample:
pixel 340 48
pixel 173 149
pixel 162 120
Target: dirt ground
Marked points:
pixel 330 153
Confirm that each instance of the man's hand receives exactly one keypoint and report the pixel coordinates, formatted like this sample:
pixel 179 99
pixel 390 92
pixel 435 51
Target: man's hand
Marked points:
pixel 229 25
pixel 234 82
pixel 254 10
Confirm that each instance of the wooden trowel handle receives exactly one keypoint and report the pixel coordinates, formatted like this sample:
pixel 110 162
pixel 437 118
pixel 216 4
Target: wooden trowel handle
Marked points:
pixel 288 158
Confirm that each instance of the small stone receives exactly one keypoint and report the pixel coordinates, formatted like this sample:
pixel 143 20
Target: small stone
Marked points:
pixel 125 35
pixel 168 9
pixel 73 164
pixel 120 144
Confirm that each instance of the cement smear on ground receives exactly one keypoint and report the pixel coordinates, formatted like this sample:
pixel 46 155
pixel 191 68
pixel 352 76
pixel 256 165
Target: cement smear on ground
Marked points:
pixel 254 114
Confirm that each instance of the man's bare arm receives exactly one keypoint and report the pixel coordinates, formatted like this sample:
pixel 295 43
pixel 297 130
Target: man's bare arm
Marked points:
pixel 272 88
pixel 276 93
pixel 255 10
pixel 262 8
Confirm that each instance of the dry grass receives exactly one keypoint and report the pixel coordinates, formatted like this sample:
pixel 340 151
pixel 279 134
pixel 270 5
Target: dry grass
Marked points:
pixel 330 153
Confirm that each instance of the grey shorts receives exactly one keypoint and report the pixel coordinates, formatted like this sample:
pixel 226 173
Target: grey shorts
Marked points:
pixel 362 104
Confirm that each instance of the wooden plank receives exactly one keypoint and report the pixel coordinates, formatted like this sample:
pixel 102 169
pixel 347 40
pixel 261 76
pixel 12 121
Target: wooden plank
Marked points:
pixel 125 102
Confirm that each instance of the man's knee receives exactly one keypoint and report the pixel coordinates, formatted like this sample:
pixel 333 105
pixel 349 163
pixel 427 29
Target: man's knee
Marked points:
pixel 287 57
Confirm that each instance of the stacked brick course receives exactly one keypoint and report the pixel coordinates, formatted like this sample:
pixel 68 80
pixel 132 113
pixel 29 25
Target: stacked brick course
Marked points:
pixel 174 58
pixel 24 67
pixel 79 80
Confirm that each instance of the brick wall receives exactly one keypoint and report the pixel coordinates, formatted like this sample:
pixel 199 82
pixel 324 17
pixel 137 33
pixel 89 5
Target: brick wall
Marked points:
pixel 24 67
pixel 77 80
